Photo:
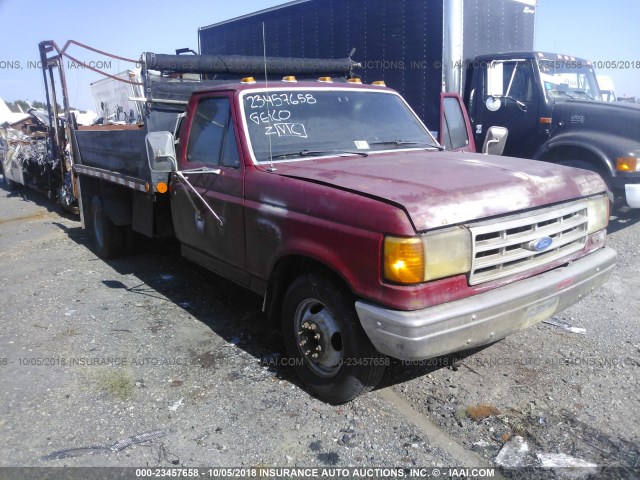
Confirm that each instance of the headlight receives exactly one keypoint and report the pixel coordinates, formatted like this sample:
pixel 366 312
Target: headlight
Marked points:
pixel 427 257
pixel 448 253
pixel 598 208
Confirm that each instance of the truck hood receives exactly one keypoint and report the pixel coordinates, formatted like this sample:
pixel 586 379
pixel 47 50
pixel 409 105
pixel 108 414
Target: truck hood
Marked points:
pixel 438 189
pixel 620 119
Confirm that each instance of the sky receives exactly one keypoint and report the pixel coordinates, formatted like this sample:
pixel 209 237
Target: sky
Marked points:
pixel 599 31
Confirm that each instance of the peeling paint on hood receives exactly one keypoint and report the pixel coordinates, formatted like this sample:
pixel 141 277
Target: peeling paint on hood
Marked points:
pixel 447 188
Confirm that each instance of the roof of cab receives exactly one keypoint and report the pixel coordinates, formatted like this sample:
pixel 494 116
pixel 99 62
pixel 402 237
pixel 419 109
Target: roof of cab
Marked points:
pixel 239 86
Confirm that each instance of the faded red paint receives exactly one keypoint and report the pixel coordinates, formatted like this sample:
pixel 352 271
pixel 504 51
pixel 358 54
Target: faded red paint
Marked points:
pixel 338 210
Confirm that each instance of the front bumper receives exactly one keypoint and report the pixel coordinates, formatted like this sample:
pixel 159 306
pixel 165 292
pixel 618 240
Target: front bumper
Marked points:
pixel 626 186
pixel 632 194
pixel 485 317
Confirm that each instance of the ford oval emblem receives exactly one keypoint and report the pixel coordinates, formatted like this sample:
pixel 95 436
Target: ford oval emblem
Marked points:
pixel 541 244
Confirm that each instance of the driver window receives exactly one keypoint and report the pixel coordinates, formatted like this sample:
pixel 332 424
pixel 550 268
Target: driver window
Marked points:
pixel 511 79
pixel 212 139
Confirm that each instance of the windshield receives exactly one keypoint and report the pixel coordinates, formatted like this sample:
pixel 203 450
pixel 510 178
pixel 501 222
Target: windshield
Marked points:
pixel 297 123
pixel 564 79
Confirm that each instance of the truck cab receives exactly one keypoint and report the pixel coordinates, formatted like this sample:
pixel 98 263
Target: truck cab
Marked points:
pixel 554 111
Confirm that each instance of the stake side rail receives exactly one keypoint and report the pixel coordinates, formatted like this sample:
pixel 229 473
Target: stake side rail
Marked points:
pixel 113 177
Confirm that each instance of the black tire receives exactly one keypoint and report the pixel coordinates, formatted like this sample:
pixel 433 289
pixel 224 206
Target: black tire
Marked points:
pixel 316 314
pixel 108 239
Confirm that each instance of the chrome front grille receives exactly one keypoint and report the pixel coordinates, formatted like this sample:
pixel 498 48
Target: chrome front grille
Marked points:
pixel 506 247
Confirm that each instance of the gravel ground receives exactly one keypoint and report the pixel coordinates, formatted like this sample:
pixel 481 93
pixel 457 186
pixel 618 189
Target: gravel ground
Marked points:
pixel 93 352
pixel 152 342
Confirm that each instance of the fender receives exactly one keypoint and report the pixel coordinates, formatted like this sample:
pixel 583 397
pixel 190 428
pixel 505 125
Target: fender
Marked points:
pixel 604 146
pixel 323 255
pixel 274 288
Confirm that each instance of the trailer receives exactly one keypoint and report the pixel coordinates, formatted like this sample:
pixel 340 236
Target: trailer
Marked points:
pixel 418 47
pixel 550 103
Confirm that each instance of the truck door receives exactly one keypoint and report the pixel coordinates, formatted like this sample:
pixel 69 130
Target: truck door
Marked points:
pixel 210 163
pixel 506 95
pixel 455 128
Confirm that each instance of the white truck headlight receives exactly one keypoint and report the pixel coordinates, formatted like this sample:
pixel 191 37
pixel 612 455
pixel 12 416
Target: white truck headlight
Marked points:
pixel 598 211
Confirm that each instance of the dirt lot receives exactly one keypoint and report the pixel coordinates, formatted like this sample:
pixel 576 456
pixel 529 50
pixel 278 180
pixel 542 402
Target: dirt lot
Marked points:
pixel 94 352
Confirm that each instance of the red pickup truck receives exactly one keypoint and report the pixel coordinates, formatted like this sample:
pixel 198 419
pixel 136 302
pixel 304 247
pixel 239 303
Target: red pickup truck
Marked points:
pixel 335 203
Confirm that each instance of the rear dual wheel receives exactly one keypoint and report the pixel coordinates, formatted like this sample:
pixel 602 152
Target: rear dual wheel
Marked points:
pixel 108 238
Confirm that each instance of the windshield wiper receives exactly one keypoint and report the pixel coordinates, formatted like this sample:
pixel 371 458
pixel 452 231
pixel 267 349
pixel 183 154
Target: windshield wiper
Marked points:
pixel 394 142
pixel 561 93
pixel 404 143
pixel 308 153
pixel 582 92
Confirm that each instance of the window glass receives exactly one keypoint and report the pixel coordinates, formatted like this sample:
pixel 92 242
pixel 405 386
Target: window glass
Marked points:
pixel 511 79
pixel 230 156
pixel 568 79
pixel 207 135
pixel 289 125
pixel 178 127
pixel 455 128
pixel 518 81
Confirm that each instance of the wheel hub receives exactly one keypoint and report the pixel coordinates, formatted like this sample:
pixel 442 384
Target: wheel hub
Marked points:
pixel 318 337
pixel 310 340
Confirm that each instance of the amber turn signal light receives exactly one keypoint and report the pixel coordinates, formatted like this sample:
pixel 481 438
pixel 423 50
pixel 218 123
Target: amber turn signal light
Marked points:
pixel 627 164
pixel 403 260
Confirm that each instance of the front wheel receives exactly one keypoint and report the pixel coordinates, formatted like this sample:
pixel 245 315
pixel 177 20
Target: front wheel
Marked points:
pixel 332 354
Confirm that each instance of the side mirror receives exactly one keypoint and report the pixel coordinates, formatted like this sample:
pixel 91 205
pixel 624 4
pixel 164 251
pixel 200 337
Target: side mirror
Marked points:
pixel 495 141
pixel 495 80
pixel 161 152
pixel 493 104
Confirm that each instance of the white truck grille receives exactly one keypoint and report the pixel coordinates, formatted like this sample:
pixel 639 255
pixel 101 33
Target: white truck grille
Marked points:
pixel 513 245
